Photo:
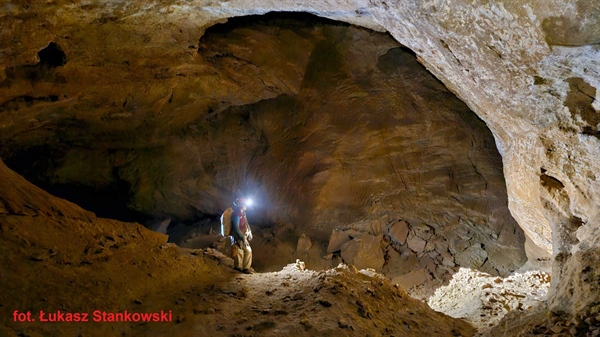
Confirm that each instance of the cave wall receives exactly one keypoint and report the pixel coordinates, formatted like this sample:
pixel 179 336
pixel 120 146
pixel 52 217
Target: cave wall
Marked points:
pixel 533 83
pixel 529 69
pixel 521 66
pixel 326 125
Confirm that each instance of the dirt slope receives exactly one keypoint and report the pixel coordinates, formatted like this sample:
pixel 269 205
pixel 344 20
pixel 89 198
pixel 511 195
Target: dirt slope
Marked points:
pixel 337 302
pixel 55 256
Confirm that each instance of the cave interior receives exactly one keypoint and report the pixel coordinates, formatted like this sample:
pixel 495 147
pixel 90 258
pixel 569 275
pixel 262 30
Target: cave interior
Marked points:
pixel 386 195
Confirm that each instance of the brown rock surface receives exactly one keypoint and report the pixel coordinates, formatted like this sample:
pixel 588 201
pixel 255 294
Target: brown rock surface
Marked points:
pixel 337 239
pixel 340 128
pixel 399 232
pixel 304 244
pixel 413 278
pixel 416 244
pixel 365 252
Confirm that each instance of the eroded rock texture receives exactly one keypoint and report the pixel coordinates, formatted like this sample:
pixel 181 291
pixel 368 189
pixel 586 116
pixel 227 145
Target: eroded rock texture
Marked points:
pixel 518 65
pixel 328 125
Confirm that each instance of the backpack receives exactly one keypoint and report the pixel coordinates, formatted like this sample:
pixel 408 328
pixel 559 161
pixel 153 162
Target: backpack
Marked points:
pixel 226 222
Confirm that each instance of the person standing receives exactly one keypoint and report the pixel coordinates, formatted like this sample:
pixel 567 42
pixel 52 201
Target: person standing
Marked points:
pixel 242 235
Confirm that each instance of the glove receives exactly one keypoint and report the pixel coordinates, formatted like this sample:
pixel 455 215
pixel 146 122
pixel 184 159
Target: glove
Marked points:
pixel 250 236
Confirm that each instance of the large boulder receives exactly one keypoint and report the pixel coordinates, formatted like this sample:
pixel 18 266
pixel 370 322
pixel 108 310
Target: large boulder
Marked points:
pixel 365 252
pixel 304 244
pixel 416 244
pixel 399 231
pixel 337 239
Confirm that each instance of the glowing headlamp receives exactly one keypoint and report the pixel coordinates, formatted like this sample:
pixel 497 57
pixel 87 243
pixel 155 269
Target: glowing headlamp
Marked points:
pixel 248 202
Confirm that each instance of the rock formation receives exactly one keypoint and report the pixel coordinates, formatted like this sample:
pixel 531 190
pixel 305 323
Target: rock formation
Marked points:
pixel 119 77
pixel 330 126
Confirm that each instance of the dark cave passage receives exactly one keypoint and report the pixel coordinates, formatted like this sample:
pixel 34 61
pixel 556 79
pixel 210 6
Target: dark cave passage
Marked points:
pixel 52 56
pixel 110 200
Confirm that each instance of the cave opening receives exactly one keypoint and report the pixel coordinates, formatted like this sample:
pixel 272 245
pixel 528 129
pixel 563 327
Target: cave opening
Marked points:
pixel 52 56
